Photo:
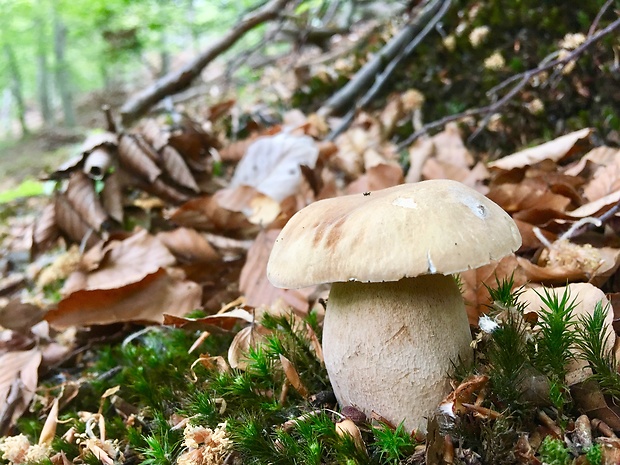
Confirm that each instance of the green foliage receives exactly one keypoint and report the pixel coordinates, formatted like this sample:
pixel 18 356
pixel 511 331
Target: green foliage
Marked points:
pixel 553 452
pixel 28 188
pixel 393 445
pixel 592 340
pixel 594 455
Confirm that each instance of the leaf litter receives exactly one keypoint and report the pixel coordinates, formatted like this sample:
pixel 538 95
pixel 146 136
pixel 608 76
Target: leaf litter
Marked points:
pixel 210 209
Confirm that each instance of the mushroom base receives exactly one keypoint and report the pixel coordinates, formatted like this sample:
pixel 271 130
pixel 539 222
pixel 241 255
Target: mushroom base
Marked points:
pixel 389 346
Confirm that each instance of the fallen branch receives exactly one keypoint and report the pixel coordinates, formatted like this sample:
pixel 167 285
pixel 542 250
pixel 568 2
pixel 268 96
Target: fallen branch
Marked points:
pixel 521 78
pixel 387 73
pixel 364 78
pixel 182 78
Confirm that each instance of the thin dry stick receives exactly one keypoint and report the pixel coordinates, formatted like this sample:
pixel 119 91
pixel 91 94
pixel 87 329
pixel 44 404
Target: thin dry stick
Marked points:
pixel 182 78
pixel 389 70
pixel 522 78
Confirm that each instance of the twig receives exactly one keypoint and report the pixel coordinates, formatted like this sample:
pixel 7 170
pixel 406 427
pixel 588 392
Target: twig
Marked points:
pixel 182 78
pixel 389 70
pixel 367 73
pixel 594 222
pixel 522 78
pixel 598 17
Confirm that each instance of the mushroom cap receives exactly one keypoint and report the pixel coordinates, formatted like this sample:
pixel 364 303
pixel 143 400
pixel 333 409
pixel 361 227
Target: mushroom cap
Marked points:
pixel 436 226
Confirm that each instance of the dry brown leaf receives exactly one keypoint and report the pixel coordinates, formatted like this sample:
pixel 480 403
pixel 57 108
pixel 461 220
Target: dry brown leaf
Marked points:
pixel 596 207
pixel 377 177
pixel 476 294
pixel 18 383
pixel 254 284
pixel 45 231
pixel 293 377
pixel 271 164
pixel 530 194
pixel 112 196
pixel 117 263
pixel 550 276
pixel 143 301
pixel 211 212
pixel 177 169
pixel 590 400
pixel 419 152
pixel 606 180
pixel 212 323
pixel 188 245
pixel 98 163
pixel 70 222
pixel 85 201
pixel 248 337
pixel 450 149
pixel 136 160
pixel 554 150
pixel 20 316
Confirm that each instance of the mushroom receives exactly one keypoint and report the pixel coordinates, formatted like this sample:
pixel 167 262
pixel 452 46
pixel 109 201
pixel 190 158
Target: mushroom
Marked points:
pixel 395 319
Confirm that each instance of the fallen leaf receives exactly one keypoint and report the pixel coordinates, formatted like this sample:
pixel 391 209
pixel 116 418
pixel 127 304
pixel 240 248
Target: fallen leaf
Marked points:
pixel 117 263
pixel 18 383
pixel 555 150
pixel 271 164
pixel 293 377
pixel 475 282
pixel 135 156
pixel 143 301
pixel 248 337
pixel 85 201
pixel 188 245
pixel 255 286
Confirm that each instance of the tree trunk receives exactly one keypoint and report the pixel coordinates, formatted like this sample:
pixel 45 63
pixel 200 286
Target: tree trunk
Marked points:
pixel 16 87
pixel 62 73
pixel 43 76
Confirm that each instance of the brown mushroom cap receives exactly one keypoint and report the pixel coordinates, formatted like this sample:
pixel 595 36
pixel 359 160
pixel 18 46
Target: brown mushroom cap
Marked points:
pixel 429 227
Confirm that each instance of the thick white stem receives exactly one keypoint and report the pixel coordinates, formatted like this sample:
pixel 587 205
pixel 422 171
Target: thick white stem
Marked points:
pixel 389 346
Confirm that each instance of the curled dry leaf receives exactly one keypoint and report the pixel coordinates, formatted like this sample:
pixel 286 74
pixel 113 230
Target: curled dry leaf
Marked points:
pixel 250 336
pixel 143 301
pixel 136 160
pixel 98 163
pixel 188 245
pixel 18 383
pixel 271 164
pixel 45 231
pixel 606 180
pixel 597 207
pixel 293 377
pixel 177 169
pixel 85 201
pixel 112 196
pixel 116 263
pixel 588 396
pixel 222 322
pixel 70 222
pixel 554 150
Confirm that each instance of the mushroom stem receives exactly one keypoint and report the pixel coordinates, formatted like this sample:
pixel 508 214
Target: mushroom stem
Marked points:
pixel 401 335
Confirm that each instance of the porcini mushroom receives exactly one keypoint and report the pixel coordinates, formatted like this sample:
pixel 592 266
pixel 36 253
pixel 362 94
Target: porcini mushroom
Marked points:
pixel 395 318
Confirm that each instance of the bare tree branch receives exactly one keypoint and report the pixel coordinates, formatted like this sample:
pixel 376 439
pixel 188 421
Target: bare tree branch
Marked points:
pixel 521 78
pixel 364 78
pixel 389 70
pixel 182 78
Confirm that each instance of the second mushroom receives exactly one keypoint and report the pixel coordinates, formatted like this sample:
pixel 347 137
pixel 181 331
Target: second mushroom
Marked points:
pixel 395 319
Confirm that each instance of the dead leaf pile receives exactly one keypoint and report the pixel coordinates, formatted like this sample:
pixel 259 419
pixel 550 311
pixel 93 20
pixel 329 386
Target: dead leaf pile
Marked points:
pixel 167 219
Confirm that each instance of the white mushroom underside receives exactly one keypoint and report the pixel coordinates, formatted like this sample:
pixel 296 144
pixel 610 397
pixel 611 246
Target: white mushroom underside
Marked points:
pixel 389 346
